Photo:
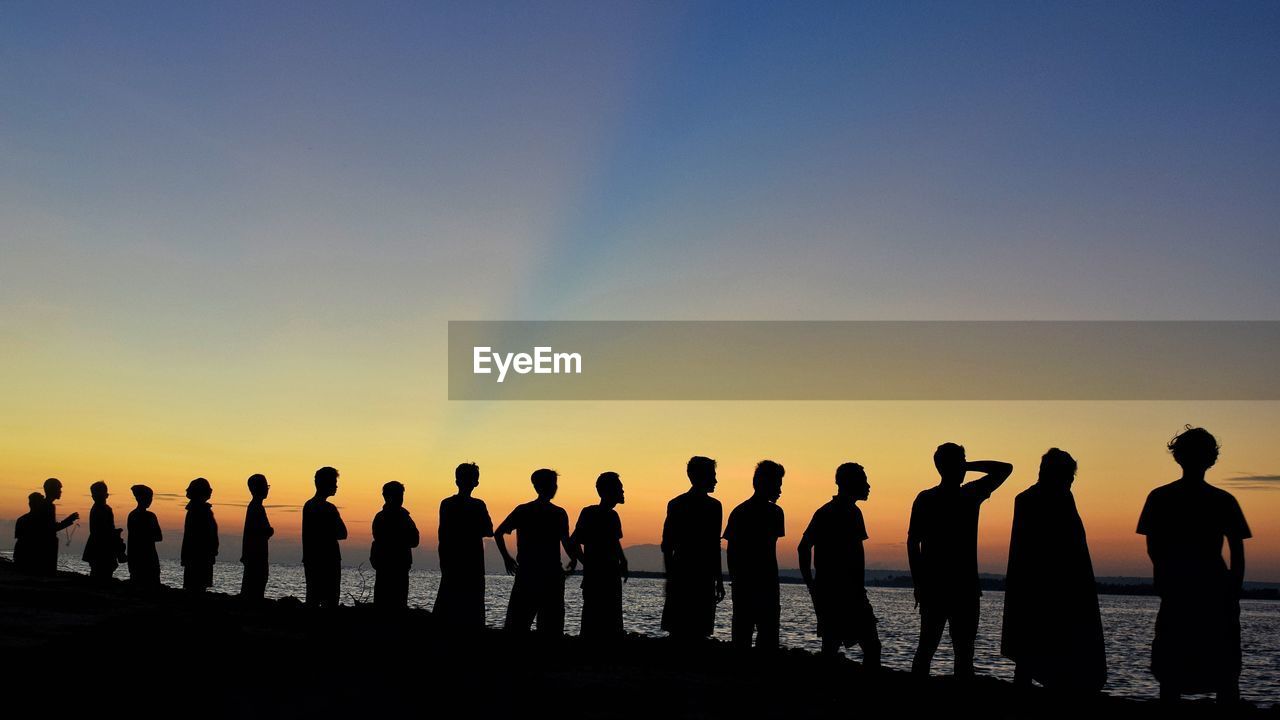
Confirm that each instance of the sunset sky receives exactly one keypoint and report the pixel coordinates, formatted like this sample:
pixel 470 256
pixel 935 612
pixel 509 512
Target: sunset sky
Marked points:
pixel 232 236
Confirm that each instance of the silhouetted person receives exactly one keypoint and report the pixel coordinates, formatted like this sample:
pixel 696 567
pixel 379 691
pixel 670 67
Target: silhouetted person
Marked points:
pixel 1052 626
pixel 322 528
pixel 105 548
pixel 253 545
pixel 598 540
pixel 541 530
pixel 28 535
pixel 833 544
pixel 942 546
pixel 1197 639
pixel 752 550
pixel 144 533
pixel 691 555
pixel 199 538
pixel 51 526
pixel 464 524
pixel 391 555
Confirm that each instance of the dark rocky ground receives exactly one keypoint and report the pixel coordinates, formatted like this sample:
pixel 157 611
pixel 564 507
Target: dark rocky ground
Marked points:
pixel 69 646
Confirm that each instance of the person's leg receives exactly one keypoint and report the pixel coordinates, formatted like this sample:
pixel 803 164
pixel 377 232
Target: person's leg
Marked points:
pixel 933 620
pixel 521 609
pixel 551 609
pixel 869 638
pixel 743 620
pixel 312 579
pixel 767 622
pixel 964 634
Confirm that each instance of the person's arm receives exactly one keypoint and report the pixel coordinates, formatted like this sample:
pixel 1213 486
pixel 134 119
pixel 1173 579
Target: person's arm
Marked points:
pixel 499 537
pixel 668 541
pixel 575 537
pixel 213 534
pixel 65 523
pixel 805 551
pixel 719 561
pixel 996 473
pixel 570 547
pixel 340 528
pixel 1235 548
pixel 915 546
pixel 622 562
pixel 413 537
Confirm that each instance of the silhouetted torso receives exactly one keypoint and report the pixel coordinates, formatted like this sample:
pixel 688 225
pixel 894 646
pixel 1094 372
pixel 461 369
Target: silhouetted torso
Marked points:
pixel 1197 640
pixel 945 520
pixel 254 550
pixel 394 536
pixel 27 537
pixel 101 549
pixel 691 539
pixel 47 529
pixel 144 533
pixel 321 528
pixel 599 531
pixel 199 546
pixel 464 524
pixel 1052 626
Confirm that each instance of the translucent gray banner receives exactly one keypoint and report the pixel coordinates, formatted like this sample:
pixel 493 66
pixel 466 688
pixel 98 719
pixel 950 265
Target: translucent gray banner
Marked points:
pixel 863 360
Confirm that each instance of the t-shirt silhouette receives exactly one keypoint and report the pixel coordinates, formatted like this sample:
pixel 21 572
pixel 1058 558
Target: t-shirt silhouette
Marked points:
pixel 945 521
pixel 598 531
pixel 1191 519
pixel 464 524
pixel 752 532
pixel 322 526
pixel 257 533
pixel 836 533
pixel 539 528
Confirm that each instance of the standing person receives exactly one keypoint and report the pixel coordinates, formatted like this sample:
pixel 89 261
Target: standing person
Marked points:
pixel 199 538
pixel 1052 626
pixel 391 555
pixel 144 533
pixel 464 524
pixel 253 545
pixel 1197 639
pixel 27 535
pixel 51 526
pixel 833 543
pixel 104 548
pixel 691 555
pixel 322 529
pixel 942 547
pixel 541 528
pixel 752 549
pixel 598 540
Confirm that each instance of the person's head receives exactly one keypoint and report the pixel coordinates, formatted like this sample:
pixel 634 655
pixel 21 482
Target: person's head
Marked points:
pixel 609 488
pixel 258 486
pixel 98 491
pixel 53 489
pixel 702 473
pixel 393 494
pixel 767 480
pixel 467 476
pixel 143 495
pixel 1057 468
pixel 950 461
pixel 851 481
pixel 545 483
pixel 326 482
pixel 1194 449
pixel 199 490
pixel 35 500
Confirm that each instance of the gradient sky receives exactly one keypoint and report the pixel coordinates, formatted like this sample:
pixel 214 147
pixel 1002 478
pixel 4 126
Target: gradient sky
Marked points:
pixel 231 236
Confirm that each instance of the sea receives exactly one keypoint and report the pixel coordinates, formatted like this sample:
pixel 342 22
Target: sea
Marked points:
pixel 1128 622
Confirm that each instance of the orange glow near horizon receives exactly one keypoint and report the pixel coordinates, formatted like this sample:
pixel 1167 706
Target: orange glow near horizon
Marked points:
pixel 1120 448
